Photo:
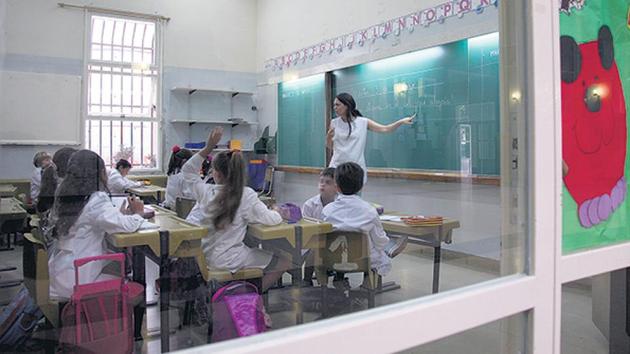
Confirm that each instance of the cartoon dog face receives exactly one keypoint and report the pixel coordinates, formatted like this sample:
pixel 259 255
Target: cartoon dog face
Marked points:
pixel 593 127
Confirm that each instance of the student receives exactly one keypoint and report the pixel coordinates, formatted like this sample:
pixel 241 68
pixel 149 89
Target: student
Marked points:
pixel 351 213
pixel 226 208
pixel 81 216
pixel 175 186
pixel 206 168
pixel 118 182
pixel 347 134
pixel 312 208
pixel 41 160
pixel 52 176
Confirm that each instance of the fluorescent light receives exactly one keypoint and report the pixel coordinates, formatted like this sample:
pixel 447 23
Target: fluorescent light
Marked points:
pixel 484 40
pixel 407 59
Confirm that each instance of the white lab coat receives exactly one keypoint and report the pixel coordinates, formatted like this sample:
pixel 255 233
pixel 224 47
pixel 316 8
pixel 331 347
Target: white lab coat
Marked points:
pixel 313 207
pixel 349 148
pixel 86 239
pixel 224 249
pixel 118 184
pixel 36 182
pixel 351 213
pixel 176 187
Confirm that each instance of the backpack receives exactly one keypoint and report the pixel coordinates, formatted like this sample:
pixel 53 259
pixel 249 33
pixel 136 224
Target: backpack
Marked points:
pixel 291 212
pixel 237 311
pixel 98 317
pixel 18 320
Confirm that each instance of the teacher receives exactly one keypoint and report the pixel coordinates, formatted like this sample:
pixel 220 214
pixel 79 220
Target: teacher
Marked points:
pixel 348 132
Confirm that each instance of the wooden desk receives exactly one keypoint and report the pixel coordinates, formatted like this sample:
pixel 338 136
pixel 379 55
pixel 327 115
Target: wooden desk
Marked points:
pixel 7 190
pixel 174 238
pixel 12 219
pixel 432 236
pixel 148 191
pixel 160 210
pixel 300 235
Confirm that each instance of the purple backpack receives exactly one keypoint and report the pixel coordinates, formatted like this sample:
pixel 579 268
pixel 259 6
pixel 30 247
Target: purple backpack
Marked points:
pixel 237 311
pixel 291 212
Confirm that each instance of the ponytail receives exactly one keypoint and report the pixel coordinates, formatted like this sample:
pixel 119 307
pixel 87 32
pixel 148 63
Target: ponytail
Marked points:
pixel 232 166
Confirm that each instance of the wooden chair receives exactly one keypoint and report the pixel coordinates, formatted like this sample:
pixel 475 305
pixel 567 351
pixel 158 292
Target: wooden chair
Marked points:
pixel 36 277
pixel 183 206
pixel 266 195
pixel 347 252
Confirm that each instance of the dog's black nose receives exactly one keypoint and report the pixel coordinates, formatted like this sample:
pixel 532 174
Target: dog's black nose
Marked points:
pixel 592 98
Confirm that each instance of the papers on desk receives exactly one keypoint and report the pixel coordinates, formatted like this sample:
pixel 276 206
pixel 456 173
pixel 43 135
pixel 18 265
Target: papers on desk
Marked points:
pixel 119 201
pixel 389 218
pixel 148 226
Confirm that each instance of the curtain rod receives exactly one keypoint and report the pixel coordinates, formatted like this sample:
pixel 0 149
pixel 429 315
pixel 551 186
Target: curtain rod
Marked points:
pixel 114 12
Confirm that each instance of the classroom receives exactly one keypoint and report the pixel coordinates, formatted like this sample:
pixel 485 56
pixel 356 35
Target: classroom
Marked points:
pixel 413 176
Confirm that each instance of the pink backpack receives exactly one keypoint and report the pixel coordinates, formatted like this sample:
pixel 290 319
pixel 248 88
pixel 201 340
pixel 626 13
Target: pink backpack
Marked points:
pixel 237 311
pixel 98 317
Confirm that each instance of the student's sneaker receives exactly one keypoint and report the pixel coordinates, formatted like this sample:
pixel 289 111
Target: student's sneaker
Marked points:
pixel 395 246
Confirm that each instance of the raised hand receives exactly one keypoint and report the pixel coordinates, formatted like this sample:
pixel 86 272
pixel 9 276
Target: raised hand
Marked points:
pixel 214 137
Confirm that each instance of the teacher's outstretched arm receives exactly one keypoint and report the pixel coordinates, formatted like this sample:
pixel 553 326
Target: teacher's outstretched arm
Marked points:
pixel 380 128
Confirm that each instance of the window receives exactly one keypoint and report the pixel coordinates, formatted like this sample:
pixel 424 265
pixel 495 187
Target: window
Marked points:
pixel 123 85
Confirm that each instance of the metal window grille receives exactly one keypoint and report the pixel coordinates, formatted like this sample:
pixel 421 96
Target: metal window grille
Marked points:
pixel 123 79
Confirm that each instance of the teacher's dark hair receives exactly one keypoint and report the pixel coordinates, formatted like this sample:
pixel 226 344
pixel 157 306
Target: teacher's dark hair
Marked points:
pixel 347 100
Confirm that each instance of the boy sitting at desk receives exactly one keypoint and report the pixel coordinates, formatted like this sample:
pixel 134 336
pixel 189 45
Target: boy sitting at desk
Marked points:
pixel 313 207
pixel 351 213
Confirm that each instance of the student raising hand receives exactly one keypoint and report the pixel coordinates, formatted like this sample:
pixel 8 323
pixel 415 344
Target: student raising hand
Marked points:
pixel 213 139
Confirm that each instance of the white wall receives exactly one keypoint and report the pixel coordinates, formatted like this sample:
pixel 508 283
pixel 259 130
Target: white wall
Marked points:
pixel 286 25
pixel 211 43
pixel 217 35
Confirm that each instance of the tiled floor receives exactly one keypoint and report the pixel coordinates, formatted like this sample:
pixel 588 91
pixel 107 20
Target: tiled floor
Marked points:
pixel 412 270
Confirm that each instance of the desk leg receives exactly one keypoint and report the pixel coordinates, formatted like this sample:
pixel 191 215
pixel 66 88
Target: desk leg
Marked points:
pixel 296 275
pixel 165 290
pixel 437 253
pixel 139 277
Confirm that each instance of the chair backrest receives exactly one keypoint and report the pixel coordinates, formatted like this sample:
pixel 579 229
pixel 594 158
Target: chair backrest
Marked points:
pixel 346 252
pixel 268 184
pixel 183 206
pixel 36 277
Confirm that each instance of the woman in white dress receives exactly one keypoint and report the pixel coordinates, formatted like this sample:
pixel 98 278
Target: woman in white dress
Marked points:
pixel 347 134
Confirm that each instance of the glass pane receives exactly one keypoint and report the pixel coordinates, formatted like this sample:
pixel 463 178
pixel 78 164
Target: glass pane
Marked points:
pixel 594 315
pixel 594 124
pixel 500 337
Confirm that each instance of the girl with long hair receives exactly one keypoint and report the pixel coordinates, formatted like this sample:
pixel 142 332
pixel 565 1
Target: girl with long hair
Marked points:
pixel 226 208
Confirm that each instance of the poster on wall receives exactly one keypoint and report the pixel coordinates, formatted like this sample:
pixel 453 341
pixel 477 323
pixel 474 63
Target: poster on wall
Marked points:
pixel 595 61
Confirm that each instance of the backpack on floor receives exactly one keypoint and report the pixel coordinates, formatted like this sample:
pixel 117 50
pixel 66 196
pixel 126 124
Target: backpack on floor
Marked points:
pixel 237 311
pixel 98 317
pixel 18 320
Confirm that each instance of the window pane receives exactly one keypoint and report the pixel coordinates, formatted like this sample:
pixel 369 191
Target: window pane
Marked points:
pixel 594 315
pixel 503 336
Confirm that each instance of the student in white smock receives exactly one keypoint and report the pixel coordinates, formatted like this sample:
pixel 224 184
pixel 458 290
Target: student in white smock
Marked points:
pixel 347 133
pixel 82 215
pixel 175 184
pixel 41 160
pixel 226 208
pixel 118 182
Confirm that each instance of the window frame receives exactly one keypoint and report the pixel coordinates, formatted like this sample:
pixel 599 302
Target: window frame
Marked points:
pixel 158 66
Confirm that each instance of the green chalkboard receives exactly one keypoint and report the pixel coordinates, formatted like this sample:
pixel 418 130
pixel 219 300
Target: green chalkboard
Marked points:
pixel 454 88
pixel 302 122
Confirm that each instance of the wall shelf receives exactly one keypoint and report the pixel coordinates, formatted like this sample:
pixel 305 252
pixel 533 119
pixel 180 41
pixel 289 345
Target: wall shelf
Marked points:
pixel 202 121
pixel 191 90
